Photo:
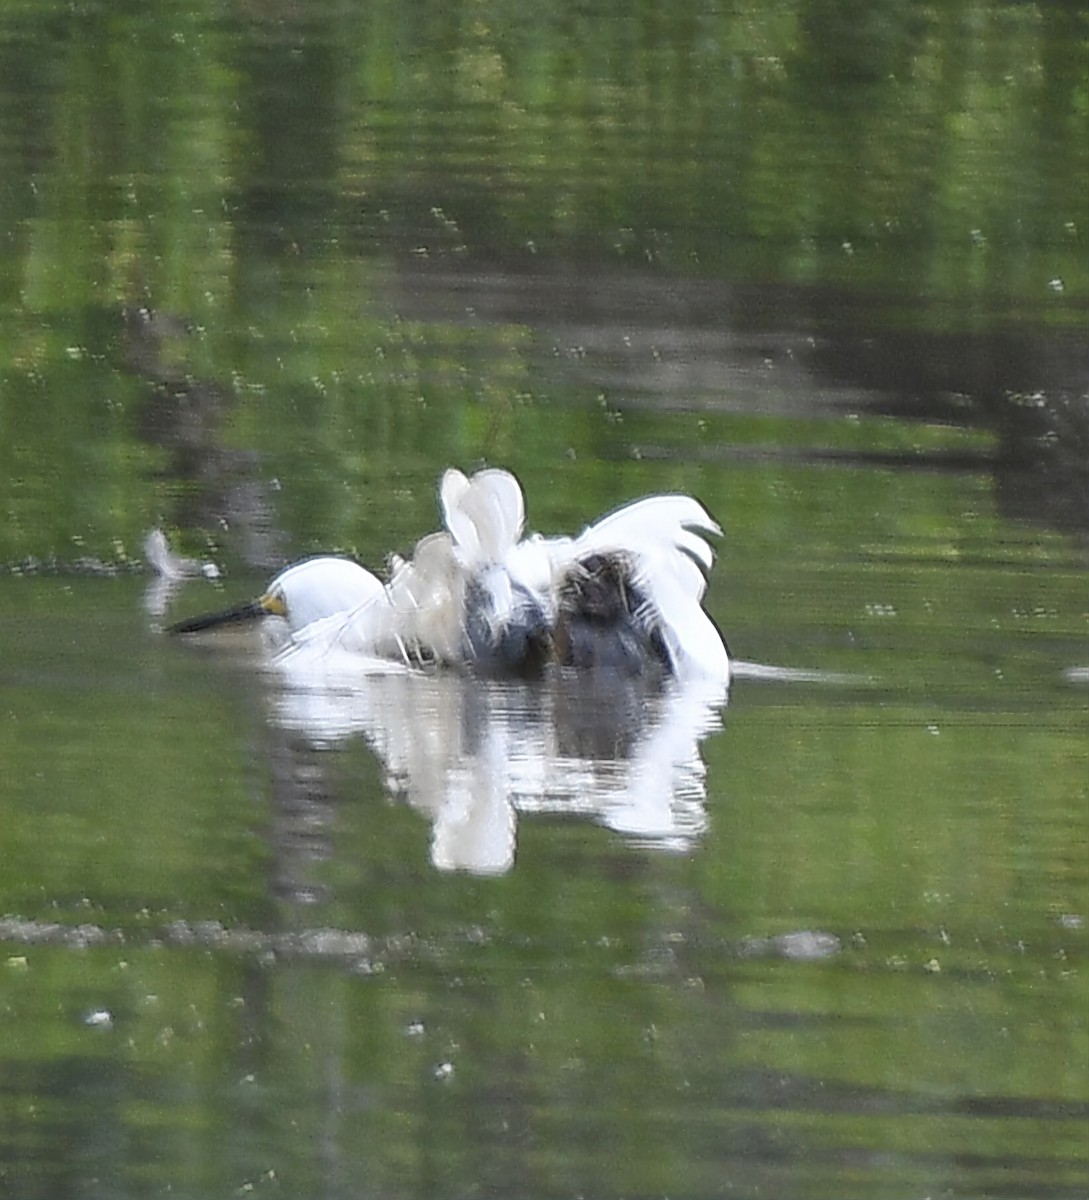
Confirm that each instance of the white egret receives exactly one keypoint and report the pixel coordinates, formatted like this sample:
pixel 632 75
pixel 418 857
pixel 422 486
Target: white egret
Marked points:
pixel 625 595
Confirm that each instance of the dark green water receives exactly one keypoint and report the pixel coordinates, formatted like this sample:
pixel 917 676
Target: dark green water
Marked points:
pixel 266 270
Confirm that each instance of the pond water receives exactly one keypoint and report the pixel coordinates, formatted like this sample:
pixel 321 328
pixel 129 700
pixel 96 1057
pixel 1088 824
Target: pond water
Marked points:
pixel 266 274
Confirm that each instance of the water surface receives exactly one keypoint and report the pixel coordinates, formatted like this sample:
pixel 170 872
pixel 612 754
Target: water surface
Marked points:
pixel 266 274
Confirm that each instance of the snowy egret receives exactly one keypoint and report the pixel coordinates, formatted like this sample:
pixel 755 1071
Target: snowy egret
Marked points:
pixel 625 595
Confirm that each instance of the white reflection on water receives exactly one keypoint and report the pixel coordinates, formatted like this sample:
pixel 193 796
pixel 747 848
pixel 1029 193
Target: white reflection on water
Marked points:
pixel 474 755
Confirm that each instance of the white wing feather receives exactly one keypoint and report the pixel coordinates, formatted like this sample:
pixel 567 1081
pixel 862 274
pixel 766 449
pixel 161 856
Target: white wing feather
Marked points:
pixel 661 535
pixel 484 515
pixel 666 518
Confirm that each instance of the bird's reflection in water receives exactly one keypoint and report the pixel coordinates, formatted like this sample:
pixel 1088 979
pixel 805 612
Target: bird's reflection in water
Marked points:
pixel 476 755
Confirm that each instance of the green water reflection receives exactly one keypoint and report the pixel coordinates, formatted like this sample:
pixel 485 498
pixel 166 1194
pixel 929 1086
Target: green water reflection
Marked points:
pixel 601 1020
pixel 265 273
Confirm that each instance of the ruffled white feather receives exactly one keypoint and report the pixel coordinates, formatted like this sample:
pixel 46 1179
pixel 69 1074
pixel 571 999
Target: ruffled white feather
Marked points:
pixel 480 577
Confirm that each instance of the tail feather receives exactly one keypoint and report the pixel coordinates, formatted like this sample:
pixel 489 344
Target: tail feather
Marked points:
pixel 485 514
pixel 480 600
pixel 498 509
pixel 452 491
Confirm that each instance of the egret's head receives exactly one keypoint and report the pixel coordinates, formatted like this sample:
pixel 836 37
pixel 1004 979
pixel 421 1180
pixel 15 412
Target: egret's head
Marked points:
pixel 316 588
pixel 305 592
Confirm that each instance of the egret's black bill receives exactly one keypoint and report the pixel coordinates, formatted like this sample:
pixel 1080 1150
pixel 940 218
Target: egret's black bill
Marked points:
pixel 248 611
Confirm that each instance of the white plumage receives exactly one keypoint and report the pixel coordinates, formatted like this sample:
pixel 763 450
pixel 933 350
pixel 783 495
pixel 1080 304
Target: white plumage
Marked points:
pixel 318 587
pixel 476 593
pixel 625 595
pixel 633 583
